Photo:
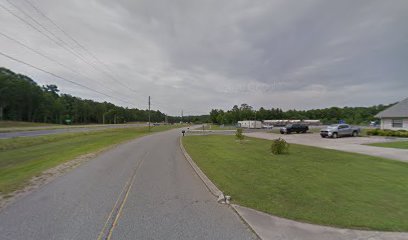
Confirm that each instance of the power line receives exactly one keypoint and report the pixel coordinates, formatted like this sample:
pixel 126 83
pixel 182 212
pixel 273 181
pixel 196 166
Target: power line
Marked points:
pixel 47 57
pixel 37 29
pixel 56 42
pixel 38 10
pixel 38 23
pixel 72 51
pixel 62 78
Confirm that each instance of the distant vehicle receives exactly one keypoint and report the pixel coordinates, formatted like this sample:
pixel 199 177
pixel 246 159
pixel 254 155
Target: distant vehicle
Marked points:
pixel 374 124
pixel 290 128
pixel 267 126
pixel 339 130
pixel 156 124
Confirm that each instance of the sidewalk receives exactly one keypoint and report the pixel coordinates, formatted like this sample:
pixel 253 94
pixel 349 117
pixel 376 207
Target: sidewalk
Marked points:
pixel 275 228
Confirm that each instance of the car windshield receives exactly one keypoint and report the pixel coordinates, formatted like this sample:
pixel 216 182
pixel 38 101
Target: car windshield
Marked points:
pixel 289 125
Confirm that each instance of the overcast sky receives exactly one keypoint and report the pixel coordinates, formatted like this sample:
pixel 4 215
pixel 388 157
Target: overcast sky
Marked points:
pixel 199 55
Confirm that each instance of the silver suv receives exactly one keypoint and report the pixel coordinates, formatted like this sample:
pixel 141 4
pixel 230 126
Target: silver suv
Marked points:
pixel 339 130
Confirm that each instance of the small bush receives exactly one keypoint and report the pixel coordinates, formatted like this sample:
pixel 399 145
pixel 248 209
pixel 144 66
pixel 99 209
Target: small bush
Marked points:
pixel 387 133
pixel 279 146
pixel 239 135
pixel 373 132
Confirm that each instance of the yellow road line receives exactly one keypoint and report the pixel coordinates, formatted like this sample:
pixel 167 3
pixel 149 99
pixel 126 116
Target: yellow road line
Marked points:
pixel 123 204
pixel 111 212
pixel 125 189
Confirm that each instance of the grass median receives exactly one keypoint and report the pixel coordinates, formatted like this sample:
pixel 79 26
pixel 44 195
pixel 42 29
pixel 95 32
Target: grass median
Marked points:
pixel 15 124
pixel 219 127
pixel 309 184
pixel 25 157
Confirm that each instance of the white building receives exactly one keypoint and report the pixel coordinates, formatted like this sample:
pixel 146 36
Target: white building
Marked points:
pixel 250 124
pixel 395 117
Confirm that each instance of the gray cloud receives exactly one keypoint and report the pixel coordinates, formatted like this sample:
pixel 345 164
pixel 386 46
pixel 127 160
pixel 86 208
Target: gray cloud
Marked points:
pixel 198 55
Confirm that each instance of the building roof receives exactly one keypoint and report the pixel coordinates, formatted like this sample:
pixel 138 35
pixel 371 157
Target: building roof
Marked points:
pixel 398 110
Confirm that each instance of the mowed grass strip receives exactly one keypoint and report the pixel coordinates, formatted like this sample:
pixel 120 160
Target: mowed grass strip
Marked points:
pixel 13 124
pixel 25 157
pixel 219 127
pixel 309 184
pixel 400 144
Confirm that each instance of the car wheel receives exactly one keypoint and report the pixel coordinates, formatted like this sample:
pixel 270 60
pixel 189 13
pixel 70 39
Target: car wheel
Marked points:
pixel 355 133
pixel 335 135
pixel 323 136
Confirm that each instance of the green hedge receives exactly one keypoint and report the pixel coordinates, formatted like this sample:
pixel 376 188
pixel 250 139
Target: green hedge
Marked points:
pixel 388 133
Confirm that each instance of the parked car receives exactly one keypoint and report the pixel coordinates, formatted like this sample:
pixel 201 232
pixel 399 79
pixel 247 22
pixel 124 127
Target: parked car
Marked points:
pixel 339 130
pixel 290 128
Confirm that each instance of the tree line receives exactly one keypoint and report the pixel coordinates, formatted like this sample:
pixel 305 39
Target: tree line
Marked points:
pixel 352 115
pixel 22 99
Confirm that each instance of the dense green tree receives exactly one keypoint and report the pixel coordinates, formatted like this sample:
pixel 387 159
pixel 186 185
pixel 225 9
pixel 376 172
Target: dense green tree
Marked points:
pixel 21 99
pixel 352 115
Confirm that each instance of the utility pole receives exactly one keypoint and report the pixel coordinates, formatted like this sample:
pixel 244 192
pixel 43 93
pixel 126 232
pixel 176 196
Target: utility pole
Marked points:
pixel 181 116
pixel 149 113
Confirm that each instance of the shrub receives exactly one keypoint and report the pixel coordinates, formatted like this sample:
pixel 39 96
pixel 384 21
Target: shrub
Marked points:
pixel 239 135
pixel 373 132
pixel 388 133
pixel 279 146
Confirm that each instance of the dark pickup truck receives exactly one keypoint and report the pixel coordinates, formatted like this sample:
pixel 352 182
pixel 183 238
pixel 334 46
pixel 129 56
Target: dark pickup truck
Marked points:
pixel 290 128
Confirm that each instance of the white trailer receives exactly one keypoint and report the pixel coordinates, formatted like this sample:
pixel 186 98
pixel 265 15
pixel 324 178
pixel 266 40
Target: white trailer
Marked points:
pixel 250 124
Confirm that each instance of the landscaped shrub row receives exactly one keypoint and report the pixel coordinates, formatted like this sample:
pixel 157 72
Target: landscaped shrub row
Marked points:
pixel 388 133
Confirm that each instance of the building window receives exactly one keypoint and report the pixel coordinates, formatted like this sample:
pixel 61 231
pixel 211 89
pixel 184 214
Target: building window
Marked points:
pixel 397 123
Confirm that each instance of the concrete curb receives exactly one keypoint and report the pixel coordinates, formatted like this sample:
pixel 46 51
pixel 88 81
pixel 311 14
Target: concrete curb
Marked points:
pixel 210 185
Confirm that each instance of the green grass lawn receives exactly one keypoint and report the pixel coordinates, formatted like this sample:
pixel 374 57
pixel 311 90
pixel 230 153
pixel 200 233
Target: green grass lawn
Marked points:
pixel 219 127
pixel 25 157
pixel 309 184
pixel 399 144
pixel 17 124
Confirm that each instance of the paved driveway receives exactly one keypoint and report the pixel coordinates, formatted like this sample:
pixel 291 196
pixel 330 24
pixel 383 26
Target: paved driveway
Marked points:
pixel 348 144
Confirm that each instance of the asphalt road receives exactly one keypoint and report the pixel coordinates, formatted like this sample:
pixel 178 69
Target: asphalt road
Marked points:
pixel 34 133
pixel 143 189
